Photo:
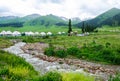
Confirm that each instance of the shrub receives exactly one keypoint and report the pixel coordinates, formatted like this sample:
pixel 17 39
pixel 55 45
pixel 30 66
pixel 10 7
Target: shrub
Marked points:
pixel 4 71
pixel 118 50
pixel 82 55
pixel 116 78
pixel 1 79
pixel 51 76
pixel 28 39
pixel 116 59
pixel 77 77
pixel 107 54
pixel 49 51
pixel 107 44
pixel 61 53
pixel 73 51
pixel 97 47
pixel 45 37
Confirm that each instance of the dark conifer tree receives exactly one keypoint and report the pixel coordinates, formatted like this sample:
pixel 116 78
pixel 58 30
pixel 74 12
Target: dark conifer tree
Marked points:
pixel 69 27
pixel 83 27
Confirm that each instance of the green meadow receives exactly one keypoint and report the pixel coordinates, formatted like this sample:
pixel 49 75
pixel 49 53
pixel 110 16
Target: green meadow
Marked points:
pixel 101 47
pixel 14 68
pixel 53 29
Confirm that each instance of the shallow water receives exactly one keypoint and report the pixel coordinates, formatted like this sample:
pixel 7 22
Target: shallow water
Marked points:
pixel 39 64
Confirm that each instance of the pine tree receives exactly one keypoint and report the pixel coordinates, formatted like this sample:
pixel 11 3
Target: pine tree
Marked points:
pixel 83 27
pixel 70 27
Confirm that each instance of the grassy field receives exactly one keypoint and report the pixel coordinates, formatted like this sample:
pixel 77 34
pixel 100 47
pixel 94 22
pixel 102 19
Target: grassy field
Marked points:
pixel 52 29
pixel 14 68
pixel 108 28
pixel 102 47
pixel 77 77
pixel 5 43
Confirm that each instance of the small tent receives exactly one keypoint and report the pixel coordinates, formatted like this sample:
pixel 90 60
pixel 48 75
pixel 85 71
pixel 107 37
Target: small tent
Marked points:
pixel 49 33
pixel 16 33
pixel 43 34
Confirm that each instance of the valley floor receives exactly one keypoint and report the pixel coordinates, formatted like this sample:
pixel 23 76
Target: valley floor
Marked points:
pixel 43 64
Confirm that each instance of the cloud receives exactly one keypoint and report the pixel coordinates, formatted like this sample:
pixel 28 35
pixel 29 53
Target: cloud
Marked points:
pixel 4 9
pixel 67 8
pixel 52 1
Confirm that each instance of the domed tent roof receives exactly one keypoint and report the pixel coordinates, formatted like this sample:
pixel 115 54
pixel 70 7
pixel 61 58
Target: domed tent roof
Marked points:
pixel 49 33
pixel 29 33
pixel 43 34
pixel 9 33
pixel 3 32
pixel 36 33
pixel 16 33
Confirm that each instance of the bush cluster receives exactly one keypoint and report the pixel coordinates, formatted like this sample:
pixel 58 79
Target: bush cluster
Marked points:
pixel 53 52
pixel 115 78
pixel 51 76
pixel 29 39
pixel 92 51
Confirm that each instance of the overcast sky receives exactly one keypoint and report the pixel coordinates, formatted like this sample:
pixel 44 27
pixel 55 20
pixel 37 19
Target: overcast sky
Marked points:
pixel 67 8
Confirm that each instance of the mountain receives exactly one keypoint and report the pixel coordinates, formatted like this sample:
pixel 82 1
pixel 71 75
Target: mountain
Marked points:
pixel 36 20
pixel 110 17
pixel 47 20
pixel 110 13
pixel 64 18
pixel 75 20
pixel 113 21
pixel 30 17
pixel 98 21
pixel 9 19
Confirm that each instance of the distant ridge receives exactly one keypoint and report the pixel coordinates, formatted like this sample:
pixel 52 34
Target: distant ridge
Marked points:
pixel 98 21
pixel 109 17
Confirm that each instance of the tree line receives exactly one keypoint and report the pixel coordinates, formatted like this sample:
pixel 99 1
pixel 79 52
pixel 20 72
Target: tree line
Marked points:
pixel 84 28
pixel 17 24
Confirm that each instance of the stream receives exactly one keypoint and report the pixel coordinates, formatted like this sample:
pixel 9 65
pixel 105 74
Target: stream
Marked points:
pixel 44 66
pixel 39 64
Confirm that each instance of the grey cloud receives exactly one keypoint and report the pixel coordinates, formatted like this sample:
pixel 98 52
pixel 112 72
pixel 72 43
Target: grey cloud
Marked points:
pixel 52 1
pixel 4 9
pixel 95 9
pixel 56 1
pixel 24 0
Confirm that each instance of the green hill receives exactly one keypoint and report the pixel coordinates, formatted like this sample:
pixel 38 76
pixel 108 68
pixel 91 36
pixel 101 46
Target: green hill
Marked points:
pixel 29 17
pixel 112 21
pixel 9 19
pixel 47 20
pixel 98 21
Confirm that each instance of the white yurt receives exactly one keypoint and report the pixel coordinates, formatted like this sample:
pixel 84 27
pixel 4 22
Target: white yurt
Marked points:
pixel 26 33
pixel 49 33
pixel 59 33
pixel 43 34
pixel 3 33
pixel 8 33
pixel 36 33
pixel 31 33
pixel 16 33
pixel 63 32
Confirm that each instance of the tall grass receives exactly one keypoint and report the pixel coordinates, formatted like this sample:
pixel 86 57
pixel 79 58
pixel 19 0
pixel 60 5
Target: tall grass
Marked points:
pixel 53 29
pixel 15 68
pixel 115 78
pixel 5 43
pixel 77 77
